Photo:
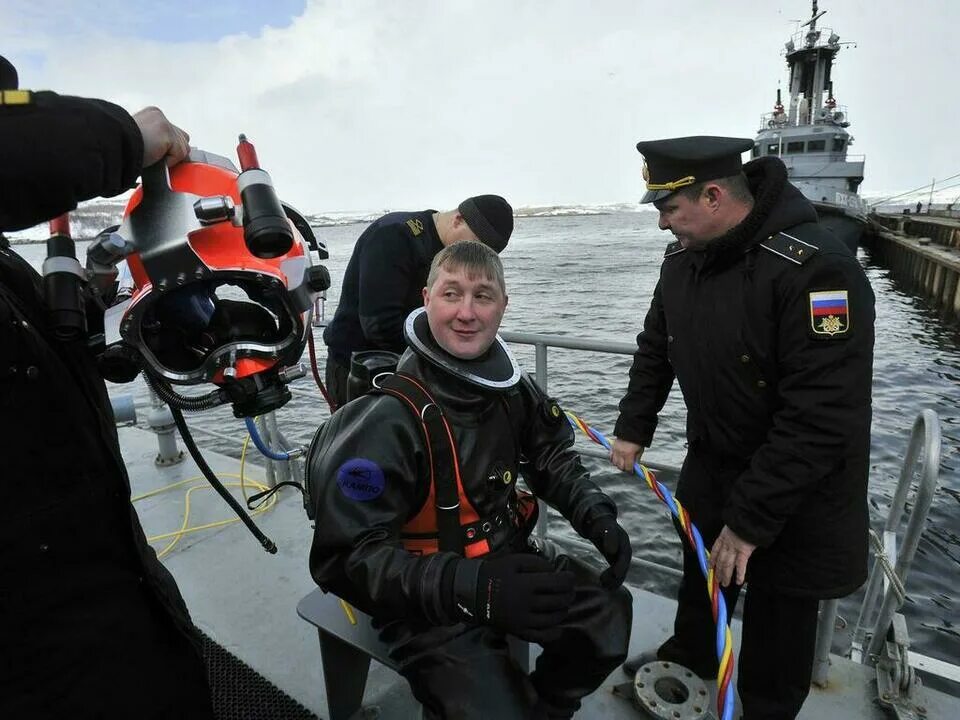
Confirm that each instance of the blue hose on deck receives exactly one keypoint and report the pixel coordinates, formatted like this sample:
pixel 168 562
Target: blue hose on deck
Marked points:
pixel 261 445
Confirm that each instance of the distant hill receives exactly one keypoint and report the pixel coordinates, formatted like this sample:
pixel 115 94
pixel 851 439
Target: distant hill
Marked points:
pixel 85 222
pixel 95 215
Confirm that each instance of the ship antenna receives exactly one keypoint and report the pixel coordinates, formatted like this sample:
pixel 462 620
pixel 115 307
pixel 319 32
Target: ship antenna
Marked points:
pixel 812 22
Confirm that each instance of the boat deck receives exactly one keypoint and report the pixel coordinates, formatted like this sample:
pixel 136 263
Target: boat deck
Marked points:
pixel 246 599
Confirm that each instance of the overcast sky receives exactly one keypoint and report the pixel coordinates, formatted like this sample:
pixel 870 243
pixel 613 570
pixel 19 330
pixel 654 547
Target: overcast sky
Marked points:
pixel 363 104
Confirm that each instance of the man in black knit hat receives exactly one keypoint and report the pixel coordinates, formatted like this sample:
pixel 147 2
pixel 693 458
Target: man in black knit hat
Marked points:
pixel 388 270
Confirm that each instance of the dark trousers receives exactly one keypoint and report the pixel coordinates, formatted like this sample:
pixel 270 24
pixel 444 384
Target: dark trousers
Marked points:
pixel 779 631
pixel 335 376
pixel 466 671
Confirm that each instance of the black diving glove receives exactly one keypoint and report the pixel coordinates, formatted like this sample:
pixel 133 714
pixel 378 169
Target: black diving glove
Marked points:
pixel 614 544
pixel 523 595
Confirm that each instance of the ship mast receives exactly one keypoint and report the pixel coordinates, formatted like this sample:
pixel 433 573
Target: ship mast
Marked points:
pixel 810 60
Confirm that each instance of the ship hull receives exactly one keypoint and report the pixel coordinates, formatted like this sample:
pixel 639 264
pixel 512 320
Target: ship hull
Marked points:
pixel 846 228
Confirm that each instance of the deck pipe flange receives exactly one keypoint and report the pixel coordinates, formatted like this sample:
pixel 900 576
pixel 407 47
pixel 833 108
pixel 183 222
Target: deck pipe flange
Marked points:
pixel 668 691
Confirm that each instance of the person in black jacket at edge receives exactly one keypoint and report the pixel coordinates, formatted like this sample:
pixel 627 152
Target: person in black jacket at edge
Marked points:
pixel 91 624
pixel 445 588
pixel 766 321
pixel 387 272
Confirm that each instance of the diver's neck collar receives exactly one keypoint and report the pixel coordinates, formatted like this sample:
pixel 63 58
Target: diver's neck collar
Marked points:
pixel 495 369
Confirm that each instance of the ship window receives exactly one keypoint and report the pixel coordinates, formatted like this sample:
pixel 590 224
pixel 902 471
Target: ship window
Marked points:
pixel 795 147
pixel 838 144
pixel 816 146
pixel 773 149
pixel 756 151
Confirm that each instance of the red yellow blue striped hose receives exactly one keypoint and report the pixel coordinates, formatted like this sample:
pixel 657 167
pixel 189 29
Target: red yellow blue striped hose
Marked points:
pixel 724 638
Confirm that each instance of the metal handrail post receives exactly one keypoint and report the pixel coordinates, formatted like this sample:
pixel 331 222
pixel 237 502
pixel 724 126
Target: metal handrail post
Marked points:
pixel 160 421
pixel 866 609
pixel 825 627
pixel 894 518
pixel 270 468
pixel 541 377
pixel 541 365
pixel 923 499
pixel 281 469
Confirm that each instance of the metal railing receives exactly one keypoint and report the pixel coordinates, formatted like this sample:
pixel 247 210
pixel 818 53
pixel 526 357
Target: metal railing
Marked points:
pixel 925 440
pixel 541 343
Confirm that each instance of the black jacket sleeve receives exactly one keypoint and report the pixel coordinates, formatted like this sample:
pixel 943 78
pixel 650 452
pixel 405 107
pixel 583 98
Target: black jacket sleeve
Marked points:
pixel 553 470
pixel 651 377
pixel 824 391
pixel 58 150
pixel 387 267
pixel 356 551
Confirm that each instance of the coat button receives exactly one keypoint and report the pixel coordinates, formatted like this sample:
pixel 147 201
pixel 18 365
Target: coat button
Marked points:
pixel 744 358
pixel 761 383
pixel 669 338
pixel 33 372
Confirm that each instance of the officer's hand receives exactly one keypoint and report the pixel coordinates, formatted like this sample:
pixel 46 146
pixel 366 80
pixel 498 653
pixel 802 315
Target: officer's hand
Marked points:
pixel 614 544
pixel 161 138
pixel 730 553
pixel 625 454
pixel 523 595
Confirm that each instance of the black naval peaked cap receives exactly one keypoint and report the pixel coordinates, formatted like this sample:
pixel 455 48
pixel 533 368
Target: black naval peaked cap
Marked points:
pixel 672 164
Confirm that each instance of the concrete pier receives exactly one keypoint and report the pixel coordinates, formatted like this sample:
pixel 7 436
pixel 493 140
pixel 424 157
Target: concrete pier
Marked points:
pixel 923 252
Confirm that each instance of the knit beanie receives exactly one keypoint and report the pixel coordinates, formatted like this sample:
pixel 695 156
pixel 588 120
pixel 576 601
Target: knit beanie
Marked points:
pixel 8 75
pixel 490 217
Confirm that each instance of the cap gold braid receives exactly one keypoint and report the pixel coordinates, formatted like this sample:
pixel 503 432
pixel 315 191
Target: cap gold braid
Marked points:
pixel 673 185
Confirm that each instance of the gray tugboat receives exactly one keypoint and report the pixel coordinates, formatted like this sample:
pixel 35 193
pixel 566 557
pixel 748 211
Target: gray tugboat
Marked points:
pixel 810 135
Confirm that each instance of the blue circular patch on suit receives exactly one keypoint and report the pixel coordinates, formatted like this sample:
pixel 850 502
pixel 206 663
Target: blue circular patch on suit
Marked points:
pixel 360 479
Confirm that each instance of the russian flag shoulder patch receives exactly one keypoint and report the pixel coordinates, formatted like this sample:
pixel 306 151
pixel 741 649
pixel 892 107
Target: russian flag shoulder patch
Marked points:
pixel 829 313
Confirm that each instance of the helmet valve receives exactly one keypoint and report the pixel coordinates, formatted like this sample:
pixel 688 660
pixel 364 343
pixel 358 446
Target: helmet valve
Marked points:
pixel 210 210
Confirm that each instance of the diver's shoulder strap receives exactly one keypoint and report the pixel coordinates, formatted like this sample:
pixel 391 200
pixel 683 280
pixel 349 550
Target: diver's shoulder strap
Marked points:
pixel 441 448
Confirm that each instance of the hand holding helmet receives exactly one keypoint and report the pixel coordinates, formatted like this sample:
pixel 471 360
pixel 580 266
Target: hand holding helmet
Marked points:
pixel 162 140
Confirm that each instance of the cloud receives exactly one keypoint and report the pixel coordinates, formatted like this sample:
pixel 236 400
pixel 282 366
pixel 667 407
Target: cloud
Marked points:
pixel 358 104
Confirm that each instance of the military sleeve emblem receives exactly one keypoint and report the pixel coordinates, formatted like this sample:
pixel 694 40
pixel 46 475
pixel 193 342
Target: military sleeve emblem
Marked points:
pixel 416 226
pixel 829 313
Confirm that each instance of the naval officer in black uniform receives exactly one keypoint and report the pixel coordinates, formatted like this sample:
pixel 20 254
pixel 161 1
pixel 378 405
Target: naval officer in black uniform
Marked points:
pixel 765 319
